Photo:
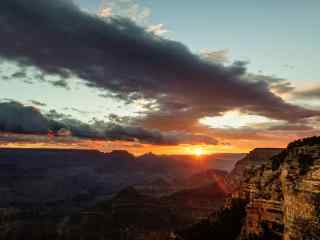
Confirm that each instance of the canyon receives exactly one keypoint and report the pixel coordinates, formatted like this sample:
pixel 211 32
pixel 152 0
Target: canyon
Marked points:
pixel 271 193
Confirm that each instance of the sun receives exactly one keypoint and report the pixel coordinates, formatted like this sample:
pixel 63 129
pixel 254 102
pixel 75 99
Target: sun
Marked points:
pixel 198 152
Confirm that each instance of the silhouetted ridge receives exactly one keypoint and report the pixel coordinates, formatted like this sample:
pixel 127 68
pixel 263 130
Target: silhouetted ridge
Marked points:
pixel 129 194
pixel 122 154
pixel 311 141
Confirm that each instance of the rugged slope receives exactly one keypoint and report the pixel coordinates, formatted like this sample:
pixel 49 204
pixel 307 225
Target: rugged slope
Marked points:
pixel 250 162
pixel 228 221
pixel 164 187
pixel 131 215
pixel 78 178
pixel 278 196
pixel 284 195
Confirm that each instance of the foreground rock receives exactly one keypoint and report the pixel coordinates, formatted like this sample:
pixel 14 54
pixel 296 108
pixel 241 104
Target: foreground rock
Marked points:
pixel 276 197
pixel 284 195
pixel 253 160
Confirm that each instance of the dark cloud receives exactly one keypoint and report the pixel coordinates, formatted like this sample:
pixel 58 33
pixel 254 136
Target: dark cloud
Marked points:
pixel 117 55
pixel 9 138
pixel 60 83
pixel 19 74
pixel 28 81
pixel 157 137
pixel 37 103
pixel 278 85
pixel 282 87
pixel 291 127
pixel 53 114
pixel 115 119
pixel 17 118
pixel 76 110
pixel 308 94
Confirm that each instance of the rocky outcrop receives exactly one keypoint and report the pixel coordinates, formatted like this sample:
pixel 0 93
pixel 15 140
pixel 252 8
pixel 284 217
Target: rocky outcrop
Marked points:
pixel 247 166
pixel 283 194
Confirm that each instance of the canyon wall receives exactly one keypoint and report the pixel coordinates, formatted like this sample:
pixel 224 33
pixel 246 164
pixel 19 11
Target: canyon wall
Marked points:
pixel 283 194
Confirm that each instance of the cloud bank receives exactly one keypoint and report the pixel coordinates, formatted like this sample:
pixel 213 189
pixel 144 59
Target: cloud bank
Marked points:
pixel 17 118
pixel 308 94
pixel 57 37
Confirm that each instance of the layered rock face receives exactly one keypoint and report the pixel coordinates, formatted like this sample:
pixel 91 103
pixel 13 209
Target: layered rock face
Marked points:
pixel 283 194
pixel 300 180
pixel 252 161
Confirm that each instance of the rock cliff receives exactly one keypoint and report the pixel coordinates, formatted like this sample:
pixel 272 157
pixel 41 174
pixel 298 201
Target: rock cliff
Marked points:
pixel 252 161
pixel 276 196
pixel 283 194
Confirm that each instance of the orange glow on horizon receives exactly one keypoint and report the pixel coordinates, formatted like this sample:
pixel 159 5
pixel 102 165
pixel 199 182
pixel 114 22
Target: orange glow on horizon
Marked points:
pixel 199 151
pixel 135 149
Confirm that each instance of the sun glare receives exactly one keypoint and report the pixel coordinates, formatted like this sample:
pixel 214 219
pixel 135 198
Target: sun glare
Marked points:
pixel 198 152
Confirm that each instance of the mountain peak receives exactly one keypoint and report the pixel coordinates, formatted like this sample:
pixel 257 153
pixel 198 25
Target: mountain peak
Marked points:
pixel 121 154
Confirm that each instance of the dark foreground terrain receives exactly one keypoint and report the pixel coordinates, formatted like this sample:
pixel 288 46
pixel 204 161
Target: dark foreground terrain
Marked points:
pixel 270 194
pixel 79 178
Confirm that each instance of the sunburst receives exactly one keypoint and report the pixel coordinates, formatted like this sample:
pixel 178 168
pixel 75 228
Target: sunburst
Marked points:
pixel 198 152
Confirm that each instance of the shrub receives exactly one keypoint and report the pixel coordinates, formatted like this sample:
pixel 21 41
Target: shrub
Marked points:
pixel 305 162
pixel 278 159
pixel 311 141
pixel 226 225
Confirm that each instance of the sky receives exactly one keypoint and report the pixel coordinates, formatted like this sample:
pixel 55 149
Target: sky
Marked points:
pixel 146 75
pixel 272 35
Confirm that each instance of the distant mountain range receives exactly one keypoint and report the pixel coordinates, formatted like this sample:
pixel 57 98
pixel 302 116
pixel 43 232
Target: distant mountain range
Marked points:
pixel 79 178
pixel 89 193
pixel 220 161
pixel 73 194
